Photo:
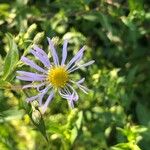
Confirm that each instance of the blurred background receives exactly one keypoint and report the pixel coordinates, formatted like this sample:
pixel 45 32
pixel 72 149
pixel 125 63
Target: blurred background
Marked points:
pixel 115 115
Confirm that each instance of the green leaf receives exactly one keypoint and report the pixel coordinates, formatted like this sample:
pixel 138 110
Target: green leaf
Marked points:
pixel 10 114
pixel 143 110
pixel 4 84
pixel 12 57
pixel 74 131
pixel 42 128
pixel 135 5
pixel 121 146
pixel 90 17
pixel 55 128
pixel 132 74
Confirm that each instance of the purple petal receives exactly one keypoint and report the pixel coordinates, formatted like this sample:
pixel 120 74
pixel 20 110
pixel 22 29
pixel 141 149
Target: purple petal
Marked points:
pixel 30 99
pixel 53 51
pixel 41 98
pixel 76 97
pixel 63 94
pixel 83 65
pixel 75 65
pixel 24 78
pixel 81 87
pixel 32 64
pixel 39 50
pixel 41 58
pixel 69 94
pixel 44 107
pixel 73 97
pixel 81 81
pixel 77 57
pixel 30 74
pixel 44 91
pixel 64 53
pixel 31 85
pixel 70 101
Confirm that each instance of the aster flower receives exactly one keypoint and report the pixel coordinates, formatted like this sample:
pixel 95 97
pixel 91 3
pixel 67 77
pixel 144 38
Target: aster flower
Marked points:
pixel 54 76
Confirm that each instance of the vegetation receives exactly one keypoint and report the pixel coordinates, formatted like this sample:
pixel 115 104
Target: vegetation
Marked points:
pixel 115 113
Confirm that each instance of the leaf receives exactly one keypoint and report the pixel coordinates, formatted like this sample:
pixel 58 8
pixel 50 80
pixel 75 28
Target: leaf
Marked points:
pixel 55 128
pixel 121 146
pixel 132 74
pixel 12 57
pixel 4 84
pixel 91 17
pixel 135 5
pixel 74 131
pixel 143 110
pixel 42 128
pixel 10 114
pixel 105 22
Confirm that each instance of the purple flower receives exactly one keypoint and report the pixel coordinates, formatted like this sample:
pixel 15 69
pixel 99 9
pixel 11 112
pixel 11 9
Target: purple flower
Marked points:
pixel 53 77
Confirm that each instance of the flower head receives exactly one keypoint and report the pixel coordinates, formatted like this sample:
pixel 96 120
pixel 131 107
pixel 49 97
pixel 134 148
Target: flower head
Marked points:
pixel 54 75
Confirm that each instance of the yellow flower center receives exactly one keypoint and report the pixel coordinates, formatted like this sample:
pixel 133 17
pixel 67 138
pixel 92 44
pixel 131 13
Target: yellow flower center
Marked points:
pixel 58 76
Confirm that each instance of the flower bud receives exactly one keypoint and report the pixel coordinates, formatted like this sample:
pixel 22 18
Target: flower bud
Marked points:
pixel 38 38
pixel 30 31
pixel 36 116
pixel 35 104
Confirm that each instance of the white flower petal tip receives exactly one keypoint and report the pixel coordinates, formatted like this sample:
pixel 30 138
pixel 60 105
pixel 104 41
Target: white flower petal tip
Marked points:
pixel 55 75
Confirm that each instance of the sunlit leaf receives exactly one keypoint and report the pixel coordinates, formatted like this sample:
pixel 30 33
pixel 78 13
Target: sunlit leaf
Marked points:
pixel 135 4
pixel 11 58
pixel 77 125
pixel 10 114
pixel 4 84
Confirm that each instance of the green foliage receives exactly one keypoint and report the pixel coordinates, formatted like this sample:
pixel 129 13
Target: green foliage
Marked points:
pixel 115 113
pixel 12 57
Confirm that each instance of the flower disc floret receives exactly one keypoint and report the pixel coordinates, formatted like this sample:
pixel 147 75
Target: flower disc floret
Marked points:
pixel 58 76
